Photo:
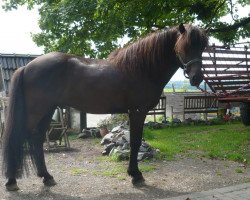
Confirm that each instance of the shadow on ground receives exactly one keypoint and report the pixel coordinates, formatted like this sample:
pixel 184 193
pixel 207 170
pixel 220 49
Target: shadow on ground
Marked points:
pixel 144 192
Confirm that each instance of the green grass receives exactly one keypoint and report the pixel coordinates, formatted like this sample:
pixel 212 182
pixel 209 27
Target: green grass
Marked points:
pixel 119 171
pixel 110 167
pixel 77 171
pixel 227 141
pixel 179 90
pixel 72 134
pixel 239 170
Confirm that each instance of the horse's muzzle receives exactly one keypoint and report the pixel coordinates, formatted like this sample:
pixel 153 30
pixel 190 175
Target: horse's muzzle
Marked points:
pixel 196 79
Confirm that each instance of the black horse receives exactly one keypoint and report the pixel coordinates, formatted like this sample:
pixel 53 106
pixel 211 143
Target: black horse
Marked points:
pixel 129 81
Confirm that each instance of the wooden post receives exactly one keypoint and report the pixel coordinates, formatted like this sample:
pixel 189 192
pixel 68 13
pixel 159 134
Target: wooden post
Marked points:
pixel 206 104
pixel 172 112
pixel 173 88
pixel 83 121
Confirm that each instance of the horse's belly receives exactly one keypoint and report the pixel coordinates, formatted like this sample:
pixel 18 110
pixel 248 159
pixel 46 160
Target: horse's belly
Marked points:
pixel 100 104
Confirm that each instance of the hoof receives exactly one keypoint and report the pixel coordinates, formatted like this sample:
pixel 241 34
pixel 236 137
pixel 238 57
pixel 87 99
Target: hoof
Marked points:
pixel 49 182
pixel 138 181
pixel 12 187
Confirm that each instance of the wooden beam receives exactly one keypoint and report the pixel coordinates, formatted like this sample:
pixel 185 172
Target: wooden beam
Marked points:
pixel 229 77
pixel 226 51
pixel 219 58
pixel 229 82
pixel 206 65
pixel 214 72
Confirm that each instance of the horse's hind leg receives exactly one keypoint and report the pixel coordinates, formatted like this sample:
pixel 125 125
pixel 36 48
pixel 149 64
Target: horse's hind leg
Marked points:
pixel 11 185
pixel 36 144
pixel 136 128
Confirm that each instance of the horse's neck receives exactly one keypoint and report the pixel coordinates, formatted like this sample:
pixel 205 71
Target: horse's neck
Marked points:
pixel 167 70
pixel 170 64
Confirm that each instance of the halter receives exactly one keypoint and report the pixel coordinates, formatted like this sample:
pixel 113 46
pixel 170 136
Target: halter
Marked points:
pixel 185 65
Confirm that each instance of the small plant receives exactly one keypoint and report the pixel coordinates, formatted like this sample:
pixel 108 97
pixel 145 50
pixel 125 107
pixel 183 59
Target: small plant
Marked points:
pixel 246 180
pixel 239 170
pixel 113 120
pixel 146 167
pixel 77 171
pixel 218 173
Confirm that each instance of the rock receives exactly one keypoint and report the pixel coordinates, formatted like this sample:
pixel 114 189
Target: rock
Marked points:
pixel 125 146
pixel 124 155
pixel 103 131
pixel 108 148
pixel 154 125
pixel 145 147
pixel 121 154
pixel 95 132
pixel 117 129
pixel 105 153
pixel 85 134
pixel 144 155
pixel 176 121
pixel 107 139
pixel 117 137
pixel 117 143
pixel 126 135
pixel 188 121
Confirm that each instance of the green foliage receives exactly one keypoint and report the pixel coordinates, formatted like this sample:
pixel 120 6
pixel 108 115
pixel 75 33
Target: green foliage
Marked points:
pixel 227 141
pixel 93 27
pixel 113 120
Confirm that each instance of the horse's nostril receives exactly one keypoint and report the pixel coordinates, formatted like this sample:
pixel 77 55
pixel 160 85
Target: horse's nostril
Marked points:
pixel 196 80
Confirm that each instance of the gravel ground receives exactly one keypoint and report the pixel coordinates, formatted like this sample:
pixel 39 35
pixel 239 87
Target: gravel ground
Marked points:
pixel 83 174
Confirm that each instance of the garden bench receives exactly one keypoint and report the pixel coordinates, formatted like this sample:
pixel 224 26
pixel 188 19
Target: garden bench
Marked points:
pixel 159 109
pixel 198 104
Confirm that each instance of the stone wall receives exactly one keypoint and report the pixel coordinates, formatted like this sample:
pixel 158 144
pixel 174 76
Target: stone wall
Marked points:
pixel 176 100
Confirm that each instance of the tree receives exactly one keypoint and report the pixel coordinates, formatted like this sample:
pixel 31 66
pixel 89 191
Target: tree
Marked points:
pixel 94 27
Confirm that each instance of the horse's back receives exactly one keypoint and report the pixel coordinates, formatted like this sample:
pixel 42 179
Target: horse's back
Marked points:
pixel 91 85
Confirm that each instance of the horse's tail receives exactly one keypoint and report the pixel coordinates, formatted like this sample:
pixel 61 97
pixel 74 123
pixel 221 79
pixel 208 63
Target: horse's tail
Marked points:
pixel 15 133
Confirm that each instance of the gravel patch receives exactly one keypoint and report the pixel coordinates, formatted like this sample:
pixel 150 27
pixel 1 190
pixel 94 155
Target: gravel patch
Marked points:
pixel 79 174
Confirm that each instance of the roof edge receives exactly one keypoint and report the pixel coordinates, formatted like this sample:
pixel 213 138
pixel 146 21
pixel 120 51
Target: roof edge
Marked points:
pixel 19 55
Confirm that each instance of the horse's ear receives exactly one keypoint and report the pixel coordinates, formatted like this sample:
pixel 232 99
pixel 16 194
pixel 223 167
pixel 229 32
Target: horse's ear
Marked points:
pixel 182 28
pixel 207 30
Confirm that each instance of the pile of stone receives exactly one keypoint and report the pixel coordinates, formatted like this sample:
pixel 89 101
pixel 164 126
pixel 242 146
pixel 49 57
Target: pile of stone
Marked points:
pixel 116 143
pixel 89 133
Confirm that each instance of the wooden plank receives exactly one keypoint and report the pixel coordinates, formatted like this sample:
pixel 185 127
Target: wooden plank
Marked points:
pixel 234 99
pixel 208 66
pixel 217 58
pixel 226 51
pixel 229 82
pixel 229 87
pixel 229 77
pixel 215 72
pixel 201 111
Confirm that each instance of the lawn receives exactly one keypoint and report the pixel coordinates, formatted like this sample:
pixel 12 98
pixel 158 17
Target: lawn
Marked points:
pixel 229 141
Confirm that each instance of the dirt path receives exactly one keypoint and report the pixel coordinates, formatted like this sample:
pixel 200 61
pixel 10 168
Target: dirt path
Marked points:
pixel 84 174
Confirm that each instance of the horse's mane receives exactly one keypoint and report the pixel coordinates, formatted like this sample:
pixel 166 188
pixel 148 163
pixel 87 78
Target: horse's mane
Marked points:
pixel 151 54
pixel 193 37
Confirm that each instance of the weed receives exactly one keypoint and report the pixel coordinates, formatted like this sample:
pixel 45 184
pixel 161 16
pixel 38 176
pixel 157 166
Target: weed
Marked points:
pixel 246 180
pixel 77 171
pixel 239 170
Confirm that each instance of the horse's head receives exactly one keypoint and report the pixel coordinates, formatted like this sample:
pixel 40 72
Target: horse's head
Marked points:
pixel 189 47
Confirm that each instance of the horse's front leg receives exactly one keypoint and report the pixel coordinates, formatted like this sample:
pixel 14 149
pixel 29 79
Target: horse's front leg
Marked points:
pixel 136 119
